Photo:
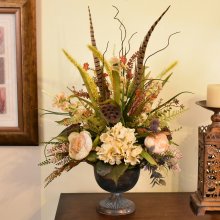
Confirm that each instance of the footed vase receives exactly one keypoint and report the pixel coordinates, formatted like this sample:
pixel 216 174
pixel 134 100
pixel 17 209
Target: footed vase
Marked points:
pixel 116 203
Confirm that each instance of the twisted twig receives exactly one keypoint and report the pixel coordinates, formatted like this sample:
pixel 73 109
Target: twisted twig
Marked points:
pixel 129 45
pixel 103 55
pixel 168 43
pixel 125 32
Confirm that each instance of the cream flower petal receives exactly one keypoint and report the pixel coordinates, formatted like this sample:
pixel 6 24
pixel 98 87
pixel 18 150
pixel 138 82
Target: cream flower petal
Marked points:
pixel 118 146
pixel 80 144
pixel 149 141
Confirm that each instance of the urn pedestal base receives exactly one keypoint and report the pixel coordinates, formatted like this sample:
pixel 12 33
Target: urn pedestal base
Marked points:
pixel 200 206
pixel 116 204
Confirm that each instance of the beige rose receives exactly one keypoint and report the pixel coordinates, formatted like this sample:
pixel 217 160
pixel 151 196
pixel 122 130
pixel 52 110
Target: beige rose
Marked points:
pixel 149 141
pixel 157 144
pixel 80 144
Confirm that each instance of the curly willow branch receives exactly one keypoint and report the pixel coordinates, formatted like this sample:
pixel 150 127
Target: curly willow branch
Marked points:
pixel 168 43
pixel 103 55
pixel 125 32
pixel 129 45
pixel 121 41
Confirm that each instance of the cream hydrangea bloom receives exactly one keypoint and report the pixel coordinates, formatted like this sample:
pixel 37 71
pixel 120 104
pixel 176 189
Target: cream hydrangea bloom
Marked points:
pixel 119 145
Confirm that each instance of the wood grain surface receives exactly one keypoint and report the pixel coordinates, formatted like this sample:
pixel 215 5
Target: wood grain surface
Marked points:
pixel 149 206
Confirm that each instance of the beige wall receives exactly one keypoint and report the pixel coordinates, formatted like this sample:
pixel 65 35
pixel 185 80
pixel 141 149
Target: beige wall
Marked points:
pixel 19 183
pixel 64 24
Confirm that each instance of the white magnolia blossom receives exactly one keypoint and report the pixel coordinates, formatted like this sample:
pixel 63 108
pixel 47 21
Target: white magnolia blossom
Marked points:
pixel 80 144
pixel 118 146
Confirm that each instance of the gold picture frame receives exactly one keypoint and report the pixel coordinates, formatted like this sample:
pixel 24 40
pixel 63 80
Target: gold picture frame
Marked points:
pixel 18 98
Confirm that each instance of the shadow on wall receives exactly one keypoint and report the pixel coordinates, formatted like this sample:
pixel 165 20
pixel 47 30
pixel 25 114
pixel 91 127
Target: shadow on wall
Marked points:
pixel 20 183
pixel 190 121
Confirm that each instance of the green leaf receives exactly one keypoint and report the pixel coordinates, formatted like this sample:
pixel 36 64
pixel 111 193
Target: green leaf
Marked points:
pixel 116 86
pixel 170 67
pixel 95 124
pixel 166 79
pixel 65 121
pixel 160 106
pixel 84 100
pixel 72 128
pixel 92 157
pixel 96 141
pixel 89 82
pixel 171 142
pixel 170 115
pixel 103 168
pixel 147 75
pixel 62 138
pixel 148 158
pixel 117 172
pixel 162 182
pixel 48 112
pixel 130 89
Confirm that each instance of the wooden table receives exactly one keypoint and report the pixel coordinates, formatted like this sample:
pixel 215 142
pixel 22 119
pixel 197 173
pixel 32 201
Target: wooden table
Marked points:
pixel 149 206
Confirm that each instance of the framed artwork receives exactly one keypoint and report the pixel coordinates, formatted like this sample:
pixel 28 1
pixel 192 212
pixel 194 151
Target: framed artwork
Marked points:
pixel 18 73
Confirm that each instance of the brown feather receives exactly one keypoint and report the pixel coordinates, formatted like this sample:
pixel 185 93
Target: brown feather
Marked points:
pixel 101 81
pixel 140 68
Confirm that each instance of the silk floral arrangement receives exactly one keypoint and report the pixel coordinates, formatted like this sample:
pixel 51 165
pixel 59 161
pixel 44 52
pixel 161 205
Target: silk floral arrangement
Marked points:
pixel 118 122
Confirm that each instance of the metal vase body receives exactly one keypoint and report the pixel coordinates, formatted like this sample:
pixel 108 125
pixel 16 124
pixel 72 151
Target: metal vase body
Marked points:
pixel 116 204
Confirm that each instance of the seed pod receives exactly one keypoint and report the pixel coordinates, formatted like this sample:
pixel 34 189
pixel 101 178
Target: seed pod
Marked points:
pixel 111 112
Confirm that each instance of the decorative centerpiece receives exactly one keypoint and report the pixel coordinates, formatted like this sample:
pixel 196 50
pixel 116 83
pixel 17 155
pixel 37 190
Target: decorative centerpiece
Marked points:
pixel 117 125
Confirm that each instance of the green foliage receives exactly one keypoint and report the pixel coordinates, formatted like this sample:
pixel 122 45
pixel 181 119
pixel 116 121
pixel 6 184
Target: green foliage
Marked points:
pixel 171 99
pixel 113 172
pixel 167 70
pixel 70 129
pixel 63 136
pixel 68 121
pixel 155 176
pixel 96 141
pixel 92 157
pixel 95 124
pixel 103 168
pixel 117 171
pixel 157 179
pixel 116 86
pixel 148 157
pixel 48 112
pixel 166 79
pixel 89 82
pixel 62 139
pixel 166 117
